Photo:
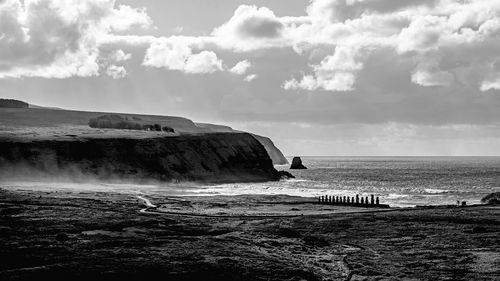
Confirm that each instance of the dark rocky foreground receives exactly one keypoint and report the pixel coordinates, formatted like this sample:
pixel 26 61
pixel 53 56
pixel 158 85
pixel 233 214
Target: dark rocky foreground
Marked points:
pixel 104 236
pixel 215 157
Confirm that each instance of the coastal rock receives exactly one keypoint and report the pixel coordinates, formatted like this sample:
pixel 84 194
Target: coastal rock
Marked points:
pixel 297 164
pixel 286 175
pixel 491 199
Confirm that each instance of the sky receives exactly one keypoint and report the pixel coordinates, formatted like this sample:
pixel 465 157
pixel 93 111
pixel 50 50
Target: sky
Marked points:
pixel 319 77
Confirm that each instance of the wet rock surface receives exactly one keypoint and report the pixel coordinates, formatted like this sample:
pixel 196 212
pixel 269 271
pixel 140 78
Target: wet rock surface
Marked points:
pixel 105 236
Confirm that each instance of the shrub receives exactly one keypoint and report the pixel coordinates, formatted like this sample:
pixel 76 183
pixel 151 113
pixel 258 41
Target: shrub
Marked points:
pixel 115 121
pixel 168 129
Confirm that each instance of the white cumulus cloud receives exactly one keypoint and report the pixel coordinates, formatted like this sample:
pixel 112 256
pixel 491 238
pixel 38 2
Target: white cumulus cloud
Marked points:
pixel 241 67
pixel 178 55
pixel 117 72
pixel 59 39
pixel 250 78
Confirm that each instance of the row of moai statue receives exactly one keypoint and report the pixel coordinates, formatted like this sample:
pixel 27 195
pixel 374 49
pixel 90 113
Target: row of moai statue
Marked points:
pixel 347 200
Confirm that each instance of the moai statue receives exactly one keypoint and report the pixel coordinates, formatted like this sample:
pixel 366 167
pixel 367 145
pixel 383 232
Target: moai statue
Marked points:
pixel 373 199
pixel 348 199
pixel 357 199
pixel 362 201
pixel 377 201
pixel 344 200
pixel 319 199
pixel 352 200
pixel 330 199
pixel 366 200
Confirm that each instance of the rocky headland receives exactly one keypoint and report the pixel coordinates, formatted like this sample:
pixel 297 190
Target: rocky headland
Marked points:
pixel 46 142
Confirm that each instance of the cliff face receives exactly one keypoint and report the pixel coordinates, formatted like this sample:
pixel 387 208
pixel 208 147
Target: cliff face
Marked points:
pixel 275 154
pixel 41 142
pixel 219 157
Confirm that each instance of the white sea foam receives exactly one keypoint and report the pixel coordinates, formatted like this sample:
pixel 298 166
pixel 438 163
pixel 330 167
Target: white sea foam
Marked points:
pixel 436 191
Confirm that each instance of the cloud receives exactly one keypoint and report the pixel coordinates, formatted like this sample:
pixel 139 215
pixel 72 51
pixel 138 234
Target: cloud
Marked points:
pixel 250 78
pixel 125 17
pixel 120 56
pixel 59 39
pixel 177 54
pixel 449 42
pixel 445 39
pixel 117 72
pixel 253 28
pixel 241 67
pixel 203 62
pixel 251 22
pixel 334 73
pixel 490 85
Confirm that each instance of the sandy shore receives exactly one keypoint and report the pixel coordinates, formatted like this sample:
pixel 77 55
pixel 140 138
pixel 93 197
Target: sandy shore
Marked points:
pixel 89 234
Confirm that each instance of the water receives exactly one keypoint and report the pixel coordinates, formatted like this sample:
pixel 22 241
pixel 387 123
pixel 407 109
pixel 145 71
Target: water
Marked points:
pixel 399 181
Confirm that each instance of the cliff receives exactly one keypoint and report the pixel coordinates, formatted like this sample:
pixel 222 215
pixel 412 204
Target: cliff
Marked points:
pixel 218 157
pixel 275 154
pixel 61 142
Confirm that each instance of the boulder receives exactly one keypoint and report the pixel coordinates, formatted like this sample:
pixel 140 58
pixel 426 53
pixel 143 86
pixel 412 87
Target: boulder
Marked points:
pixel 297 164
pixel 491 199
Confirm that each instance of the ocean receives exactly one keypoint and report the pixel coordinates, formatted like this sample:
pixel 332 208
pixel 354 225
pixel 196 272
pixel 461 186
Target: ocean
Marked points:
pixel 398 181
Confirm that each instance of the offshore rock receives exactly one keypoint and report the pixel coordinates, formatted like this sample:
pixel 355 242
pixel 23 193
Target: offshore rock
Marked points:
pixel 297 164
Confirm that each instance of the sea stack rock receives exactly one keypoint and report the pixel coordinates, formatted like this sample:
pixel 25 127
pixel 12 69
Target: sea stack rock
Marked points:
pixel 297 164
